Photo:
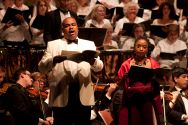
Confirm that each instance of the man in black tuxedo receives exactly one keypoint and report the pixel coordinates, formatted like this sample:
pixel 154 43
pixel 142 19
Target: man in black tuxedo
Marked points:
pixel 54 19
pixel 178 114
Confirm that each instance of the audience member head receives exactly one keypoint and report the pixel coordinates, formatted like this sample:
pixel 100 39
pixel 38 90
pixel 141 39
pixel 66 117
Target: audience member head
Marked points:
pixel 2 74
pixel 23 77
pixel 72 5
pixel 180 77
pixel 131 10
pixel 138 30
pixel 18 3
pixel 70 28
pixel 62 4
pixel 42 7
pixel 39 80
pixel 166 9
pixel 84 3
pixel 7 3
pixel 142 48
pixel 98 12
pixel 173 33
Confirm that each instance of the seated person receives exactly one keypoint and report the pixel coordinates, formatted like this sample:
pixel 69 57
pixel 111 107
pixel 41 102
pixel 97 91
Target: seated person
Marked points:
pixel 97 17
pixel 177 114
pixel 171 45
pixel 138 31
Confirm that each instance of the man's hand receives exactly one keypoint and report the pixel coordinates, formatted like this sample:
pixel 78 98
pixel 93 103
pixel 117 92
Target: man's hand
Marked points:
pixel 58 59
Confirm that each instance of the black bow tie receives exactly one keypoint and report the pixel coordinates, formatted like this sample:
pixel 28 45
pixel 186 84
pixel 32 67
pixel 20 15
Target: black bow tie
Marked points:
pixel 72 41
pixel 65 11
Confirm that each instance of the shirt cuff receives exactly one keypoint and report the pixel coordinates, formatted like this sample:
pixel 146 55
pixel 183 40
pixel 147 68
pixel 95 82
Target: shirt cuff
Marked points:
pixel 108 97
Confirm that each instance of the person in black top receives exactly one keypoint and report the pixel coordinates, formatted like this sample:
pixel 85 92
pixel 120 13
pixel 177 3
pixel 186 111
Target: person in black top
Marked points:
pixel 19 102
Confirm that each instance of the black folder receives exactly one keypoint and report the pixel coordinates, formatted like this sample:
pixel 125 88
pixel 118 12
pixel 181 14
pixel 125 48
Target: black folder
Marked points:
pixel 109 13
pixel 128 27
pixel 94 34
pixel 80 20
pixel 140 12
pixel 38 22
pixel 155 14
pixel 119 13
pixel 181 52
pixel 86 55
pixel 141 74
pixel 170 56
pixel 186 26
pixel 160 31
pixel 11 13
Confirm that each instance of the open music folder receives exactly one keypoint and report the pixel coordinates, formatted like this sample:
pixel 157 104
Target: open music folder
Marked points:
pixel 76 56
pixel 11 13
pixel 141 74
pixel 128 27
pixel 94 34
pixel 38 22
pixel 160 30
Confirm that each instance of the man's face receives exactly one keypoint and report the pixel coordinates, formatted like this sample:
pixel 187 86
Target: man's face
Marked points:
pixel 182 81
pixel 70 28
pixel 28 79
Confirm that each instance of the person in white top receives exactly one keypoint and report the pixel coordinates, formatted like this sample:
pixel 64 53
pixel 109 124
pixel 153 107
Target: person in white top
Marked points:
pixel 171 45
pixel 97 17
pixel 166 17
pixel 130 11
pixel 85 7
pixel 37 33
pixel 3 26
pixel 138 31
pixel 184 30
pixel 71 89
pixel 16 33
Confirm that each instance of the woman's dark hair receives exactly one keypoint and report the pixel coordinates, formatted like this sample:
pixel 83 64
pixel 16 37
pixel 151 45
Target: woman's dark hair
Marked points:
pixel 177 71
pixel 150 46
pixel 172 14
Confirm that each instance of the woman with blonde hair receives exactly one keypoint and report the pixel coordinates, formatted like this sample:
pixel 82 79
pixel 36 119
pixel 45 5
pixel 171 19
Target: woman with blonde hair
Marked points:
pixel 97 17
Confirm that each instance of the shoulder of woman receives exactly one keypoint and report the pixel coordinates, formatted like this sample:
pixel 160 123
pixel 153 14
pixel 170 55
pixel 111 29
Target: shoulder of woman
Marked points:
pixel 154 63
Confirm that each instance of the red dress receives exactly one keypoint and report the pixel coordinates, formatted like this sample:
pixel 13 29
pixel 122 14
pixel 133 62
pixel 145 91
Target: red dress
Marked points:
pixel 139 99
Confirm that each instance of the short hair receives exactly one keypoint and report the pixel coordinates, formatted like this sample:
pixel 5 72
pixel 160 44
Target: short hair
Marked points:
pixel 18 72
pixel 136 26
pixel 150 46
pixel 130 4
pixel 177 72
pixel 173 28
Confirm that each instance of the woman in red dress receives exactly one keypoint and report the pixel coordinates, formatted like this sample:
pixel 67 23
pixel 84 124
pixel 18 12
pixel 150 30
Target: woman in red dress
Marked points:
pixel 141 103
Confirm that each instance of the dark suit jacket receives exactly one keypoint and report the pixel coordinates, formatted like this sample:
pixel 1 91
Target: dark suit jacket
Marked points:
pixel 174 114
pixel 21 106
pixel 52 28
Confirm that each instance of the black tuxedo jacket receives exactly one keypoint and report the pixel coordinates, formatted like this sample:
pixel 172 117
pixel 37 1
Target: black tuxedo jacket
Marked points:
pixel 174 114
pixel 52 28
pixel 21 106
